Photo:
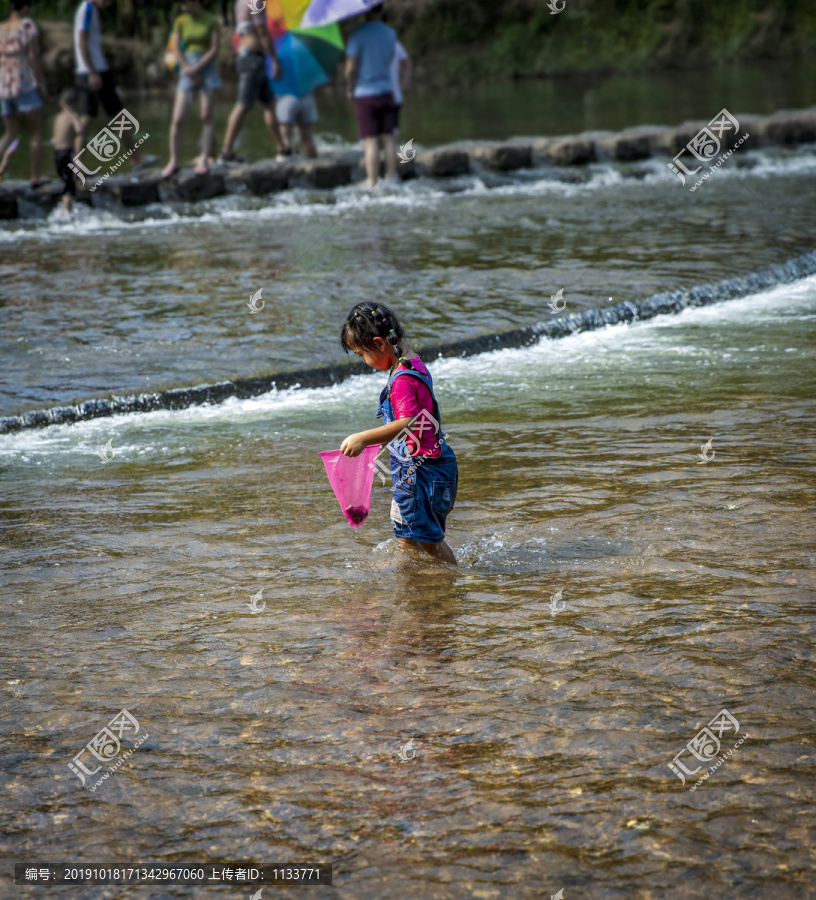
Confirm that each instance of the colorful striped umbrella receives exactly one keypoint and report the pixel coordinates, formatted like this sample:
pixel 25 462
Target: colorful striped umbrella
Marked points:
pixel 307 40
pixel 322 12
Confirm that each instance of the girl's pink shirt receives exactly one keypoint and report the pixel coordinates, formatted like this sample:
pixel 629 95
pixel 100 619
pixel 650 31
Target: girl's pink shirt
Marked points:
pixel 409 396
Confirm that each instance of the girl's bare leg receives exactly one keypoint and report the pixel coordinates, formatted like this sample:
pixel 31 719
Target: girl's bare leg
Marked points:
pixel 234 123
pixel 207 124
pixel 390 152
pixel 440 551
pixel 35 125
pixel 372 160
pixel 273 126
pixel 180 109
pixel 12 130
pixel 288 132
pixel 307 141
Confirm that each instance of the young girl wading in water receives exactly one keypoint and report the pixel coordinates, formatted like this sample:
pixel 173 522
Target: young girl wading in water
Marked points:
pixel 423 467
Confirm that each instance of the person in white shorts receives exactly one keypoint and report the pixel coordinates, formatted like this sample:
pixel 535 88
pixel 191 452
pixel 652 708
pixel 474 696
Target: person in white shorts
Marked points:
pixel 400 78
pixel 300 111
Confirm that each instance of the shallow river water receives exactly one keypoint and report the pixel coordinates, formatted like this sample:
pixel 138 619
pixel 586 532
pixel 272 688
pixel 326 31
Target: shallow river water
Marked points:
pixel 618 587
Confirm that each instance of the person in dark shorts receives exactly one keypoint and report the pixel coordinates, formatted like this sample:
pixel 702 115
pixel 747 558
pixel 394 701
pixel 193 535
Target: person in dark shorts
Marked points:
pixel 94 81
pixel 369 53
pixel 253 42
pixel 66 127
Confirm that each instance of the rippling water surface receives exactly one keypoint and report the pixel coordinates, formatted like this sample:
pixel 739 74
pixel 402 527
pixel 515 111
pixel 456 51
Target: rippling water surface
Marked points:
pixel 542 728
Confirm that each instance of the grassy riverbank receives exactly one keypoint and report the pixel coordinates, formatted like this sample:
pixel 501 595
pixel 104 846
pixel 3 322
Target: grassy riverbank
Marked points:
pixel 461 41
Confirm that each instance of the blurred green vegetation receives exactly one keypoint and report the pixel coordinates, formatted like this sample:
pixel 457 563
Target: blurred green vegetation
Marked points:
pixel 462 40
pixel 124 18
pixel 478 39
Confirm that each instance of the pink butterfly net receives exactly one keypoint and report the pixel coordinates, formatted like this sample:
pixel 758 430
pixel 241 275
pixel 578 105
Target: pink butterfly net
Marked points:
pixel 351 478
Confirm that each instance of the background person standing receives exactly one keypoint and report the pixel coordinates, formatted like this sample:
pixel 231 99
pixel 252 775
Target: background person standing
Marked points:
pixel 94 80
pixel 300 111
pixel 253 42
pixel 369 53
pixel 198 34
pixel 21 85
pixel 66 126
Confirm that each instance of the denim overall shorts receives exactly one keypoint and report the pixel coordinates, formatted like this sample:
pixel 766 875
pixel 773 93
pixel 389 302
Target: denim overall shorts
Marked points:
pixel 424 487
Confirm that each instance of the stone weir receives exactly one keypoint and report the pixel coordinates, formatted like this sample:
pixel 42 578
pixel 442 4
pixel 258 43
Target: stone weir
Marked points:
pixel 589 320
pixel 787 128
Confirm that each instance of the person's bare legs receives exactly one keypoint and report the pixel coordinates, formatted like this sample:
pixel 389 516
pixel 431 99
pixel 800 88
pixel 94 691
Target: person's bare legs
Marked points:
pixel 234 123
pixel 35 144
pixel 307 143
pixel 12 130
pixel 288 132
pixel 390 151
pixel 207 105
pixel 212 150
pixel 180 109
pixel 282 143
pixel 372 160
pixel 440 551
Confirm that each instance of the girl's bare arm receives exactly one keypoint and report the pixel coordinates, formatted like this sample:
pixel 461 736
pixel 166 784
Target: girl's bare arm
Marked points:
pixel 354 444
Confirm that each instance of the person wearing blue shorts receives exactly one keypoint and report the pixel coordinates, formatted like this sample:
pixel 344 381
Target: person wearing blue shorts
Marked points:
pixel 198 34
pixel 21 82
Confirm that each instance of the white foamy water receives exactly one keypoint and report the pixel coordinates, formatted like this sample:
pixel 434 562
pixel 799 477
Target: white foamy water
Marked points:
pixel 620 350
pixel 421 194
